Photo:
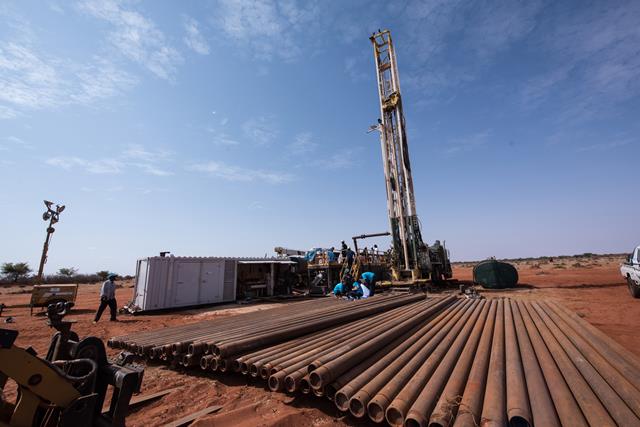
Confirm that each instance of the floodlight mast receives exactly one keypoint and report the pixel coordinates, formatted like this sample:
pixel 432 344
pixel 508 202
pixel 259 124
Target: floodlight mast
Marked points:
pixel 53 216
pixel 412 255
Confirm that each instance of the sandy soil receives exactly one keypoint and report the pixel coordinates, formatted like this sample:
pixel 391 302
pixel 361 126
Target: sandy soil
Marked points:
pixel 592 287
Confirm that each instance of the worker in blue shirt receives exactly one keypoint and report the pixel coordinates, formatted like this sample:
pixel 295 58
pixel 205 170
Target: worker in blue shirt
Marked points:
pixel 356 291
pixel 369 279
pixel 339 290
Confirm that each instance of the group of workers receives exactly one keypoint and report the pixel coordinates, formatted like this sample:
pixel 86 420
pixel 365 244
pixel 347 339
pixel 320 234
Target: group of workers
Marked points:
pixel 364 287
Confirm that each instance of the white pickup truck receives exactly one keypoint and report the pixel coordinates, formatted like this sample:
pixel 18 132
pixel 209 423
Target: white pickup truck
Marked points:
pixel 631 271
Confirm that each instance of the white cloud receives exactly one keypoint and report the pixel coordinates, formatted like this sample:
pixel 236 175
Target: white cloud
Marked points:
pixel 342 159
pixel 8 142
pixel 194 38
pixel 32 80
pixel 260 130
pixel 608 145
pixel 139 152
pixel 271 30
pixel 467 143
pixel 303 144
pixel 100 166
pixel 592 58
pixel 7 113
pixel 239 174
pixel 134 156
pixel 136 37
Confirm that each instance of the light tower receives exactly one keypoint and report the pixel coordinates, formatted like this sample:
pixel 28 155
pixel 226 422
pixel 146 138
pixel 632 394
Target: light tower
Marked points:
pixel 53 216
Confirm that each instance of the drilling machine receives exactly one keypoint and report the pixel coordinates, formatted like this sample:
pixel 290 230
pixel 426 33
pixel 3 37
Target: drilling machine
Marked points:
pixel 411 257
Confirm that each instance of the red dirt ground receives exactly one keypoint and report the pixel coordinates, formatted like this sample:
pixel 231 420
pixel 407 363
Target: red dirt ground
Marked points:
pixel 592 287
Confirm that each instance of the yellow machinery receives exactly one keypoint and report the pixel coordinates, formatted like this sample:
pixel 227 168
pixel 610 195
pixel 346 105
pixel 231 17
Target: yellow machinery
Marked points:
pixel 69 386
pixel 43 295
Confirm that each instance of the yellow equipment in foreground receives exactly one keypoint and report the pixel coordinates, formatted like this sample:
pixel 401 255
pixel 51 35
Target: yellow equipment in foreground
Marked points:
pixel 43 295
pixel 69 386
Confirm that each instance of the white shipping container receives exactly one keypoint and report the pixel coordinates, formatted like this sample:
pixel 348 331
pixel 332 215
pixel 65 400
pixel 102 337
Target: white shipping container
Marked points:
pixel 173 282
pixel 170 282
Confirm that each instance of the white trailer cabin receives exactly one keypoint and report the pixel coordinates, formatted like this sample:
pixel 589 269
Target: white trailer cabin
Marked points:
pixel 164 282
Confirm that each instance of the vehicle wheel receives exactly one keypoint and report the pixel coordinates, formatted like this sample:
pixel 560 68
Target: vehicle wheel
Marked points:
pixel 634 289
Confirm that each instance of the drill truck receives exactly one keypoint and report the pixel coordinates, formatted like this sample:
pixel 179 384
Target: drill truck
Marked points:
pixel 412 258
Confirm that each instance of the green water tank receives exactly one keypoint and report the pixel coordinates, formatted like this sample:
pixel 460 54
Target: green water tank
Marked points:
pixel 492 274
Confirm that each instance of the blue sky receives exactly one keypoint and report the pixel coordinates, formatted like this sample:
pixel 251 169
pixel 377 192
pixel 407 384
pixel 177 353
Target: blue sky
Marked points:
pixel 227 128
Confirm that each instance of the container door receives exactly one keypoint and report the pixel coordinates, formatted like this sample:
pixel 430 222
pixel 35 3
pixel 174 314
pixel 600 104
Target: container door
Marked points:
pixel 186 285
pixel 141 283
pixel 212 279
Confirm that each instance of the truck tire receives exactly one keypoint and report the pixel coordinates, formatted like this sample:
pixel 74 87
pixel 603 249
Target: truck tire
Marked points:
pixel 634 289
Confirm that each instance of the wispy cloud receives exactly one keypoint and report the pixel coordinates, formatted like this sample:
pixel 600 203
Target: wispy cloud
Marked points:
pixel 302 144
pixel 339 159
pixel 239 174
pixel 194 38
pixel 271 30
pixel 30 79
pixel 593 61
pixel 100 166
pixel 606 146
pixel 478 31
pixel 9 142
pixel 466 143
pixel 134 157
pixel 136 37
pixel 261 130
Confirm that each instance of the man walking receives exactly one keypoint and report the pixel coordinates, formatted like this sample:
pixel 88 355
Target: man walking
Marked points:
pixel 108 298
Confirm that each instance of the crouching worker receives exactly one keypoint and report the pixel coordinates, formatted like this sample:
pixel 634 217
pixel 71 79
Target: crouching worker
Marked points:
pixel 358 291
pixel 108 298
pixel 369 279
pixel 339 290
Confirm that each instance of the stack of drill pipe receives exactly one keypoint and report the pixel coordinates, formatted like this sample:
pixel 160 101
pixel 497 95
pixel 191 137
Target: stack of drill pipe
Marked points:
pixel 130 342
pixel 492 363
pixel 434 362
pixel 253 330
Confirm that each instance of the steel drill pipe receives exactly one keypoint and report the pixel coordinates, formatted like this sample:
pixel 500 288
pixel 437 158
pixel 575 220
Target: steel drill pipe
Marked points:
pixel 418 414
pixel 446 408
pixel 397 410
pixel 543 411
pixel 622 381
pixel 565 403
pixel 609 397
pixel 248 344
pixel 290 376
pixel 251 331
pixel 379 403
pixel 323 370
pixel 621 358
pixel 518 409
pixel 356 393
pixel 394 346
pixel 329 336
pixel 330 339
pixel 591 407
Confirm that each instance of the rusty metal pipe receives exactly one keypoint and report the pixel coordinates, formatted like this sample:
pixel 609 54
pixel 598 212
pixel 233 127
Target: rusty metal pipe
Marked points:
pixel 356 393
pixel 589 403
pixel 397 411
pixel 451 369
pixel 616 407
pixel 324 370
pixel 543 411
pixel 382 399
pixel 248 344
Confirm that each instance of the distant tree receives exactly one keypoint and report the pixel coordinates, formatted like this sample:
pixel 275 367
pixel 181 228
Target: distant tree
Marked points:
pixel 15 271
pixel 68 271
pixel 102 274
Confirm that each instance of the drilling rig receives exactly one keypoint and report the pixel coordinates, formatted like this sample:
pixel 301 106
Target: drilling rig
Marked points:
pixel 411 257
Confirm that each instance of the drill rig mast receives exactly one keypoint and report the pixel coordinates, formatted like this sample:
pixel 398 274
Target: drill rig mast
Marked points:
pixel 412 257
